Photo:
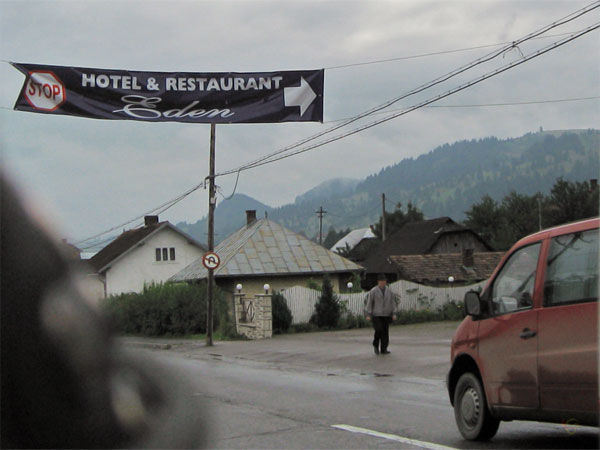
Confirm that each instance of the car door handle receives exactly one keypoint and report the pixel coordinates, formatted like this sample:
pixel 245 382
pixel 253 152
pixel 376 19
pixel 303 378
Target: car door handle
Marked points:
pixel 527 333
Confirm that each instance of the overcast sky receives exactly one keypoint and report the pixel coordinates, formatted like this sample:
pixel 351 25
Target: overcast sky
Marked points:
pixel 91 175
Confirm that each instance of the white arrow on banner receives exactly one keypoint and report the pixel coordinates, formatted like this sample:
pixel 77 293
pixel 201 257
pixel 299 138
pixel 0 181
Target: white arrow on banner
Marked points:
pixel 301 96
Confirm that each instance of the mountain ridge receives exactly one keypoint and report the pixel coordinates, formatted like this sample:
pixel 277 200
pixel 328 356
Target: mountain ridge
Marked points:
pixel 445 181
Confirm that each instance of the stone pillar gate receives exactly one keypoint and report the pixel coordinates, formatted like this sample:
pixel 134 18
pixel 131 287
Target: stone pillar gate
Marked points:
pixel 253 316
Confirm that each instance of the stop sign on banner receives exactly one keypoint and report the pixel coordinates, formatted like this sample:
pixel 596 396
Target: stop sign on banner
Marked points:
pixel 45 91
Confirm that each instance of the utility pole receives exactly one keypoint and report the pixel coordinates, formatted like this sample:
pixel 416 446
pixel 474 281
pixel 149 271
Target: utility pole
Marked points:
pixel 320 213
pixel 539 202
pixel 383 217
pixel 212 201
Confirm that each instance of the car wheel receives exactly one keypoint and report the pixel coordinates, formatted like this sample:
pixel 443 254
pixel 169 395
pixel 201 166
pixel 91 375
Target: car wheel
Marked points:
pixel 470 410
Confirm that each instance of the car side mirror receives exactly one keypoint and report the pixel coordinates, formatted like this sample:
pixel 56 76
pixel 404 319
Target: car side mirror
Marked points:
pixel 472 303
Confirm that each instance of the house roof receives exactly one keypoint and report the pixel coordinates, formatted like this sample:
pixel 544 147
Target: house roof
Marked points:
pixel 128 240
pixel 363 249
pixel 438 267
pixel 353 238
pixel 267 248
pixel 414 238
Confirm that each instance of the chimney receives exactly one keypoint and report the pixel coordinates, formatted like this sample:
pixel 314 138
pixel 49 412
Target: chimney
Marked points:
pixel 467 257
pixel 250 216
pixel 150 220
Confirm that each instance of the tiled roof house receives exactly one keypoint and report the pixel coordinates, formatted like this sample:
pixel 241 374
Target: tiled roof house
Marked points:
pixel 262 252
pixel 428 237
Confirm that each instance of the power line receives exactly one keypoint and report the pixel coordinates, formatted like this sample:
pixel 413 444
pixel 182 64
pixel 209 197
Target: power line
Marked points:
pixel 422 88
pixel 478 80
pixel 482 105
pixel 272 157
pixel 161 208
pixel 424 55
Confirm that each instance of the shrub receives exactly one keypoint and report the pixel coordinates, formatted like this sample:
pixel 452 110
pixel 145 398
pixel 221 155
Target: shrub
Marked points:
pixel 282 316
pixel 328 308
pixel 167 309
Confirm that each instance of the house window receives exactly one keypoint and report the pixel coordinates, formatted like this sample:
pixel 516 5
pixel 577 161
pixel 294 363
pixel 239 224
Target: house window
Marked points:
pixel 165 254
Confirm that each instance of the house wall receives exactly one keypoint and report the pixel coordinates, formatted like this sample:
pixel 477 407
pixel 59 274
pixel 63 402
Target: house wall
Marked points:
pixel 254 285
pixel 139 265
pixel 92 285
pixel 457 242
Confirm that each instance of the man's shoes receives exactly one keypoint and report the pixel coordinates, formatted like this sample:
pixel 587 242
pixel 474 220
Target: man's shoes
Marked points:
pixel 385 352
pixel 376 350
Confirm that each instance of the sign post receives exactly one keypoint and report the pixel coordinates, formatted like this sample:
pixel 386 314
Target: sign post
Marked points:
pixel 214 97
pixel 212 201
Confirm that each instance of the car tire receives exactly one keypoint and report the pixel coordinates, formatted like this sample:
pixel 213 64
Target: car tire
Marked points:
pixel 472 416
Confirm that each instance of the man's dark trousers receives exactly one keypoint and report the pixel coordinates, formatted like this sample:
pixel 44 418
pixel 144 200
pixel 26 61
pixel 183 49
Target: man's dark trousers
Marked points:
pixel 381 324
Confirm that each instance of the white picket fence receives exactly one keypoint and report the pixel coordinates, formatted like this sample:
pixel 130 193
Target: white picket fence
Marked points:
pixel 301 300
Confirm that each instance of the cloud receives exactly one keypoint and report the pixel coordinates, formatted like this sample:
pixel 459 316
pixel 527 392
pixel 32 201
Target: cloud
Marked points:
pixel 96 174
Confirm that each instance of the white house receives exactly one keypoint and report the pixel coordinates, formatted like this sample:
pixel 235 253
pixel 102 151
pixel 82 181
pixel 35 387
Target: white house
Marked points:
pixel 152 253
pixel 352 239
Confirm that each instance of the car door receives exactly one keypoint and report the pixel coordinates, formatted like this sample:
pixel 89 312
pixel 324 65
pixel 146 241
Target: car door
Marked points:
pixel 568 325
pixel 508 338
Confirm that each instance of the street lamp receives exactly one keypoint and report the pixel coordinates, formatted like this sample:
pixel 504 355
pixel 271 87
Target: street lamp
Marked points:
pixel 266 287
pixel 239 287
pixel 350 285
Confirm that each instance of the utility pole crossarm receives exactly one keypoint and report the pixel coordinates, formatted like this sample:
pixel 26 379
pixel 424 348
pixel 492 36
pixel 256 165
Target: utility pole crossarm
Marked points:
pixel 320 212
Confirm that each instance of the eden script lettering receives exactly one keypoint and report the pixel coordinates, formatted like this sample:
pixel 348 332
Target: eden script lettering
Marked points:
pixel 142 107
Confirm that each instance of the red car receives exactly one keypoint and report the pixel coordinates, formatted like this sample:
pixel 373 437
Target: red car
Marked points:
pixel 528 348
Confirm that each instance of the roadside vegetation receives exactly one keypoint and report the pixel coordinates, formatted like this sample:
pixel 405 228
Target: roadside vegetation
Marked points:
pixel 169 309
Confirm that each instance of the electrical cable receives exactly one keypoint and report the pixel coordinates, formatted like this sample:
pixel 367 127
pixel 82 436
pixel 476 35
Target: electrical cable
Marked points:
pixel 424 55
pixel 417 106
pixel 422 88
pixel 165 205
pixel 482 105
pixel 270 158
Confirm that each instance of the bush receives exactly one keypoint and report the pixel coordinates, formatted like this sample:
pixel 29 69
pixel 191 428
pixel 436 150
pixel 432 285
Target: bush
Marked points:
pixel 328 308
pixel 282 316
pixel 167 309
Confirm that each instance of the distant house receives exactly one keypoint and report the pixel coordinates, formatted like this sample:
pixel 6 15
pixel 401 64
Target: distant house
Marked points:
pixel 428 237
pixel 264 252
pixel 152 253
pixel 352 239
pixel 447 269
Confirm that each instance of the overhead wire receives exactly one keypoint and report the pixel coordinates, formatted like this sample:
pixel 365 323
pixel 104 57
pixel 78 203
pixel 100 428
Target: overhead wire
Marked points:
pixel 439 80
pixel 482 105
pixel 419 105
pixel 424 55
pixel 275 156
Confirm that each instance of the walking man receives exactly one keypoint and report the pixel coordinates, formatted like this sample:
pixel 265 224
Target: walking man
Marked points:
pixel 381 310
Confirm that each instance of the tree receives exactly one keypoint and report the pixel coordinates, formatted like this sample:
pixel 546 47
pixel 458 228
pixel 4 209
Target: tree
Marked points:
pixel 282 316
pixel 502 224
pixel 485 218
pixel 397 219
pixel 328 308
pixel 570 201
pixel 334 236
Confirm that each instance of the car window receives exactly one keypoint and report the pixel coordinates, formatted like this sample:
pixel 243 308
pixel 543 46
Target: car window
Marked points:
pixel 572 272
pixel 513 287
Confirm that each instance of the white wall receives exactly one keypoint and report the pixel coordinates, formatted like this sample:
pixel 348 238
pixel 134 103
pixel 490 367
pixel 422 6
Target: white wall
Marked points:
pixel 139 265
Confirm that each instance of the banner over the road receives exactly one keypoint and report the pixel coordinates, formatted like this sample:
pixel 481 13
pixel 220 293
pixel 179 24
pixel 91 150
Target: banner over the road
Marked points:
pixel 228 97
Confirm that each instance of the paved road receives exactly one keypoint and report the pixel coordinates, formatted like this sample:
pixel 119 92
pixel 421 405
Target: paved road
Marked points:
pixel 328 390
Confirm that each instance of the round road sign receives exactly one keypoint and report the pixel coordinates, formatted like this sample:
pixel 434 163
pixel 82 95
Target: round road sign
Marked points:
pixel 211 260
pixel 45 91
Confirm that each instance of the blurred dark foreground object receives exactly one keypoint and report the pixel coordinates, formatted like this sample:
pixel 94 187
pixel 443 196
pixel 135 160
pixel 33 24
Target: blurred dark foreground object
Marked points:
pixel 66 383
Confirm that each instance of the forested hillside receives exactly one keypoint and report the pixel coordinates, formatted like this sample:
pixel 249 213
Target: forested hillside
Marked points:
pixel 443 182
